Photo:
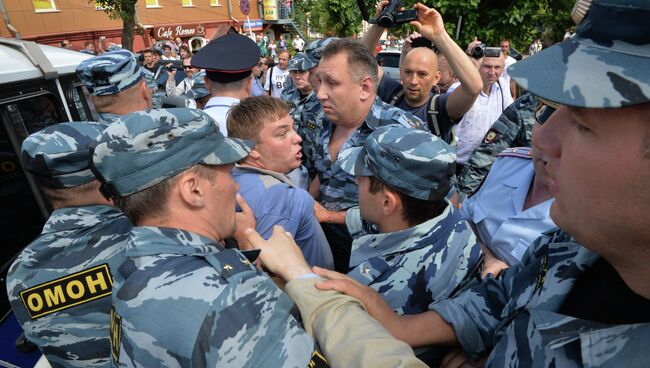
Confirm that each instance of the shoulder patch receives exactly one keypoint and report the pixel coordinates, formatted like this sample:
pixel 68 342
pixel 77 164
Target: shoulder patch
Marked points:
pixel 317 360
pixel 67 291
pixel 489 137
pixel 521 152
pixel 115 334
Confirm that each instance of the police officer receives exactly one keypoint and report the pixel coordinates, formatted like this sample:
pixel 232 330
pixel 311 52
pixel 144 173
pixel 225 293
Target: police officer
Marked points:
pixel 228 62
pixel 116 84
pixel 513 128
pixel 60 284
pixel 511 209
pixel 424 250
pixel 181 298
pixel 581 293
pixel 353 111
pixel 307 114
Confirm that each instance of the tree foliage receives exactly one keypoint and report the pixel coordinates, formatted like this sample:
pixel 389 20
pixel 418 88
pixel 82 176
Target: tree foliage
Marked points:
pixel 121 9
pixel 521 21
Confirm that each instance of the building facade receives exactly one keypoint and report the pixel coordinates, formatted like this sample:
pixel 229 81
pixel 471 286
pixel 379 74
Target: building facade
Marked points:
pixel 194 21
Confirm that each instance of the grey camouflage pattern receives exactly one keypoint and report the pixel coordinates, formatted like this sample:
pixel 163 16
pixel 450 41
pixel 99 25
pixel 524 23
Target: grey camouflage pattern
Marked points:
pixel 73 239
pixel 315 49
pixel 514 128
pixel 415 162
pixel 604 65
pixel 515 315
pixel 413 268
pixel 58 154
pixel 300 62
pixel 145 148
pixel 186 301
pixel 338 190
pixel 199 89
pixel 156 94
pixel 110 73
pixel 309 122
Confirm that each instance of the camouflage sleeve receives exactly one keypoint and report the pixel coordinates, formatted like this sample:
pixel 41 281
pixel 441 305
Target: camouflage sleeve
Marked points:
pixel 478 312
pixel 251 322
pixel 347 335
pixel 512 129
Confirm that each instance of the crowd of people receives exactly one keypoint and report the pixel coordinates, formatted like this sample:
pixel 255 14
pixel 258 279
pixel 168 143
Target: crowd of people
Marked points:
pixel 319 213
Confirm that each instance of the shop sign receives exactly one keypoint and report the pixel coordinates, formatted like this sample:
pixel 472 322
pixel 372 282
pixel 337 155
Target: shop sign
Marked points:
pixel 271 9
pixel 169 33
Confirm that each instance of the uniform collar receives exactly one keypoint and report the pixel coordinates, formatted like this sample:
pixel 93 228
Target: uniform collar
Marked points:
pixel 107 117
pixel 72 218
pixel 373 119
pixel 150 240
pixel 221 100
pixel 424 234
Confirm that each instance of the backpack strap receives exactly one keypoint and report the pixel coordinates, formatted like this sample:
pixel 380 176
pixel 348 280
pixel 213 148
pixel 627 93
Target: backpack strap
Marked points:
pixel 432 114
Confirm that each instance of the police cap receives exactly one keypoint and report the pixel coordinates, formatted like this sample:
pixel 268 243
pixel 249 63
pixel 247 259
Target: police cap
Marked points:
pixel 227 59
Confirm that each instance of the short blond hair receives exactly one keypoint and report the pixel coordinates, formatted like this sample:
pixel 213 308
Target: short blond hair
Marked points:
pixel 246 119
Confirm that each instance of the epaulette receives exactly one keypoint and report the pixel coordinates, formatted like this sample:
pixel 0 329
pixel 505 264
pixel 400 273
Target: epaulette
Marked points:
pixel 521 152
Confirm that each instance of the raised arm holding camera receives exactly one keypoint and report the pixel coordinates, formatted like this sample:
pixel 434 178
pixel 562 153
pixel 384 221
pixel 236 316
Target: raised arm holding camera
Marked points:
pixel 419 74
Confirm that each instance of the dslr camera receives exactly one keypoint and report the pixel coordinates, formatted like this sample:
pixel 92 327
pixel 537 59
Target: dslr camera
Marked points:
pixel 481 50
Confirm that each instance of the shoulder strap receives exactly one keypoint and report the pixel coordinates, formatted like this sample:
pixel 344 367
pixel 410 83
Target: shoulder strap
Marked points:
pixel 521 152
pixel 396 97
pixel 432 114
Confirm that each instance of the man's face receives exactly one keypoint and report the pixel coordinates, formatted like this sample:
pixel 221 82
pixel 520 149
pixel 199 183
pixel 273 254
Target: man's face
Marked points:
pixel 369 203
pixel 419 74
pixel 338 93
pixel 279 146
pixel 283 60
pixel 598 175
pixel 167 51
pixel 187 67
pixel 148 58
pixel 505 47
pixel 301 80
pixel 223 203
pixel 490 70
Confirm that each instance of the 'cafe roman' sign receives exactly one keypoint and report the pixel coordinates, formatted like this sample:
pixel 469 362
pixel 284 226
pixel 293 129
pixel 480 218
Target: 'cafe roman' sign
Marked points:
pixel 169 33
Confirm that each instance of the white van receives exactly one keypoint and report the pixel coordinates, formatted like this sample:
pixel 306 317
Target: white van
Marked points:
pixel 38 88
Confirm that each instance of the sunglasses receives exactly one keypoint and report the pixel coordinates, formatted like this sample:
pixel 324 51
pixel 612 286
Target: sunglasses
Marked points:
pixel 187 67
pixel 544 110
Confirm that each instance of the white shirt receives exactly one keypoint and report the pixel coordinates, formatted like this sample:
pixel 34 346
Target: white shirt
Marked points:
pixel 478 120
pixel 279 81
pixel 504 79
pixel 217 108
pixel 178 90
pixel 298 44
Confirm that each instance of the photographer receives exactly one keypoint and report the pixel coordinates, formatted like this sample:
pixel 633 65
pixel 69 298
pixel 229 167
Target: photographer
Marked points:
pixel 180 89
pixel 419 74
pixel 492 101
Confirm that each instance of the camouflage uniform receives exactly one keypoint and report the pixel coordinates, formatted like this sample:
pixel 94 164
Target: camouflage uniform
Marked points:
pixel 157 95
pixel 412 267
pixel 60 284
pixel 338 190
pixel 307 115
pixel 181 299
pixel 111 73
pixel 513 128
pixel 516 316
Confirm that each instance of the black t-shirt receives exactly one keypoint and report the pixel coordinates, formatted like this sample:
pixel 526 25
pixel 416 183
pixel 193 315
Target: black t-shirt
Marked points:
pixel 444 122
pixel 388 88
pixel 600 295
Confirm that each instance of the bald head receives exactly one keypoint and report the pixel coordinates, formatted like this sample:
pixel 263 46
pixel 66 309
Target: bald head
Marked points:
pixel 419 73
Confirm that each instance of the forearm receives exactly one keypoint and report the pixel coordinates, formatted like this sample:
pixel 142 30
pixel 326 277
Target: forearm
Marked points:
pixel 422 329
pixel 335 217
pixel 372 36
pixel 347 335
pixel 460 63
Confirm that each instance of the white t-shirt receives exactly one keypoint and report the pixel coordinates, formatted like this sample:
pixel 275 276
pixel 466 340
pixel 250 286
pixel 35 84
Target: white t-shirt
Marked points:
pixel 279 81
pixel 298 44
